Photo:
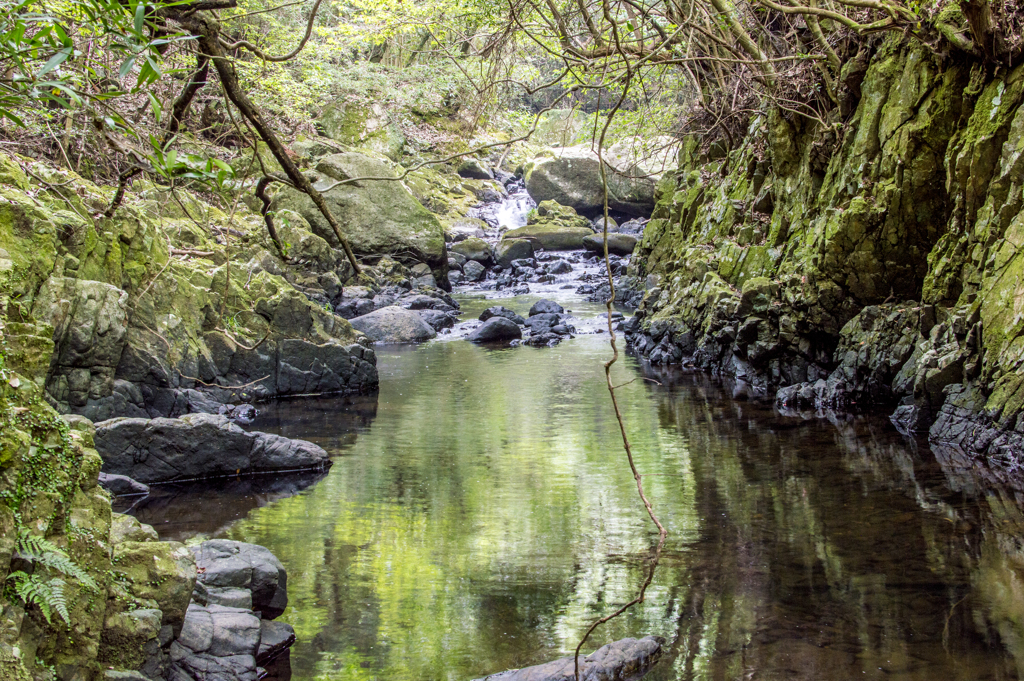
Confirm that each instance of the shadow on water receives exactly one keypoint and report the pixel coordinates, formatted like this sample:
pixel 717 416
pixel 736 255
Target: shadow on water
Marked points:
pixel 479 515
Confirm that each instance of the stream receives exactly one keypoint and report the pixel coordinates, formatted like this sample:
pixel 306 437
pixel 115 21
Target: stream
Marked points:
pixel 480 515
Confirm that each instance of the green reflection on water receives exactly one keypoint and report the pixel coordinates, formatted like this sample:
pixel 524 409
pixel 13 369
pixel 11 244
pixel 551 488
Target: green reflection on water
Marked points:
pixel 486 516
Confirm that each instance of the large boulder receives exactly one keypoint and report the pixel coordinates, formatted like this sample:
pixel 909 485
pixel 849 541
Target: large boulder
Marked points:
pixel 501 311
pixel 474 248
pixel 197 446
pixel 511 249
pixel 496 329
pixel 393 324
pixel 378 217
pixel 618 244
pixel 553 227
pixel 572 176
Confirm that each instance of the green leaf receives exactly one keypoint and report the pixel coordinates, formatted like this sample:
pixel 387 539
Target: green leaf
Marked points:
pixel 126 67
pixel 157 109
pixel 140 18
pixel 55 61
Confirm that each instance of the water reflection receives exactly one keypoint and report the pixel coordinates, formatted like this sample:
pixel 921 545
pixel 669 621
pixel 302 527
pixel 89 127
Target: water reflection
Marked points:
pixel 485 516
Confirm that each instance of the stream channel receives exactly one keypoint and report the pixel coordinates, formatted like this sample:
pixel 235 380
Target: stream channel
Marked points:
pixel 480 514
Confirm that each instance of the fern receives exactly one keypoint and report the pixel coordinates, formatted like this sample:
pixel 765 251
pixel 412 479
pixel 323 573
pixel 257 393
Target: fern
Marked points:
pixel 48 594
pixel 43 552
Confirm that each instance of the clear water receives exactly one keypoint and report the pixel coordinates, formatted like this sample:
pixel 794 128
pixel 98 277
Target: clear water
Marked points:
pixel 480 514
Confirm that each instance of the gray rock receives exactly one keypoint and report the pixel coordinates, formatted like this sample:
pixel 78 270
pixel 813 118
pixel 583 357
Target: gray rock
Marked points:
pixel 500 311
pixel 224 563
pixel 508 250
pixel 113 675
pixel 618 244
pixel 496 329
pixel 350 308
pixel 394 325
pixel 275 638
pixel 543 322
pixel 126 528
pixel 473 169
pixel 197 446
pixel 474 271
pixel 629 658
pixel 598 224
pixel 559 267
pixel 122 485
pixel 437 319
pixel 546 307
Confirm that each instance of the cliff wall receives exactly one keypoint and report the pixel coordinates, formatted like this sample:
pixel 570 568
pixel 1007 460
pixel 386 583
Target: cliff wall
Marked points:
pixel 872 264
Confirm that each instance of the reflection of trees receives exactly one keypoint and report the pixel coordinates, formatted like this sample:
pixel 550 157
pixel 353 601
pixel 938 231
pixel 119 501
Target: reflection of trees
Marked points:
pixel 486 517
pixel 834 549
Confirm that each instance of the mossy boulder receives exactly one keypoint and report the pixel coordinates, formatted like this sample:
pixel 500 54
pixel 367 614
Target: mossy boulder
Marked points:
pixel 377 216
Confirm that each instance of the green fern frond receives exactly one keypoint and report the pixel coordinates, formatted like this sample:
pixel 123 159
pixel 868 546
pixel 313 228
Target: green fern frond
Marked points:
pixel 47 594
pixel 43 552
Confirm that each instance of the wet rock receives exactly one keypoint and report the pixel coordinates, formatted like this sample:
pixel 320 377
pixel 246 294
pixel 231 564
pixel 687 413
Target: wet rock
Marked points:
pixel 559 267
pixel 474 271
pixel 618 244
pixel 243 414
pixel 509 250
pixel 275 638
pixel 542 322
pixel 500 311
pixel 419 301
pixel 496 329
pixel 394 325
pixel 546 307
pixel 437 319
pixel 197 446
pixel 122 485
pixel 628 658
pixel 455 278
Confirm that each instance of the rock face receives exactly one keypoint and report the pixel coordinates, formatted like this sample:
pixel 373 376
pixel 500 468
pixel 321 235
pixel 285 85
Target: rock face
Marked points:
pixel 197 446
pixel 378 217
pixel 629 658
pixel 496 329
pixel 572 177
pixel 394 325
pixel 813 243
pixel 227 630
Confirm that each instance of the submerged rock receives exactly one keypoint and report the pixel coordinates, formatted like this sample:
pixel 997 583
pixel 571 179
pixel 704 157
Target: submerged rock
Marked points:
pixel 197 446
pixel 394 324
pixel 629 658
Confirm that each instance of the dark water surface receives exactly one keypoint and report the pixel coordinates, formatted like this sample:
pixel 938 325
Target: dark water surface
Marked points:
pixel 480 514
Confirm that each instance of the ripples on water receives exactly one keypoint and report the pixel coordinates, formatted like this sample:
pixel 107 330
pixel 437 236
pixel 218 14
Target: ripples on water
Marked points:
pixel 479 515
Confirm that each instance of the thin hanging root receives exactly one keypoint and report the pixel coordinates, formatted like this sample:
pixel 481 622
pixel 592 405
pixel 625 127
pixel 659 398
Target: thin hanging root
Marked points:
pixel 662 532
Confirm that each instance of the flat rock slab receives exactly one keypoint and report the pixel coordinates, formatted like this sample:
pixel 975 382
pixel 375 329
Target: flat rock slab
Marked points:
pixel 622 660
pixel 197 446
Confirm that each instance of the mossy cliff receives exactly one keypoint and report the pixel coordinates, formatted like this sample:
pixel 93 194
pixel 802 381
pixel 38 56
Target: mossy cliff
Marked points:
pixel 170 306
pixel 873 264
